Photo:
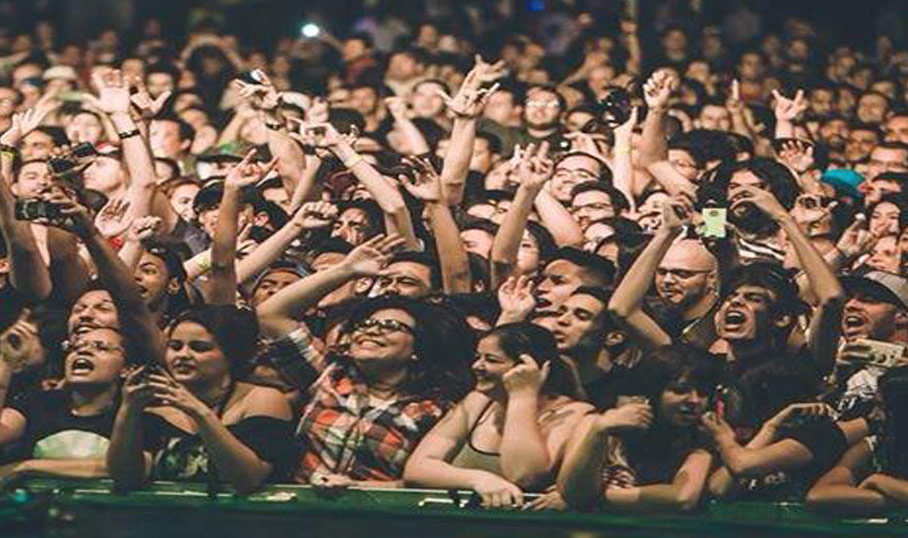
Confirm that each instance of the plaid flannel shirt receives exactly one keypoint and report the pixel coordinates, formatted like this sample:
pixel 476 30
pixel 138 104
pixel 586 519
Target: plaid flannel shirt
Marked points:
pixel 342 432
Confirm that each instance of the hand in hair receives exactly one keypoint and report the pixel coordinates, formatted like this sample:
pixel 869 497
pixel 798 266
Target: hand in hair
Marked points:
pixel 526 378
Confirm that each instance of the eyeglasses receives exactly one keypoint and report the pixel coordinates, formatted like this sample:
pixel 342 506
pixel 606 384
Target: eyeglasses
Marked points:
pixel 599 206
pixel 384 326
pixel 542 104
pixel 97 345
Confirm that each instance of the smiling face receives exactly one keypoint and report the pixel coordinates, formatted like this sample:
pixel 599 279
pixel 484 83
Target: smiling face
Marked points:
pixel 542 109
pixel 744 314
pixel 572 171
pixel 592 206
pixel 490 365
pixel 33 178
pixel 385 339
pixel 193 357
pixel 686 274
pixel 94 309
pixel 97 357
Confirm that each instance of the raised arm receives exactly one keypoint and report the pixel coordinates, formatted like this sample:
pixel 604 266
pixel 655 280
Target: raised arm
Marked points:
pixel 222 285
pixel 626 304
pixel 535 169
pixel 397 106
pixel 455 265
pixel 622 161
pixel 28 273
pixel 824 284
pixel 653 143
pixel 277 315
pixel 786 111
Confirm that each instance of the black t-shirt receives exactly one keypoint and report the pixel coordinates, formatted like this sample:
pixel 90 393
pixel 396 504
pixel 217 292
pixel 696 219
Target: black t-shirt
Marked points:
pixel 53 432
pixel 180 455
pixel 604 391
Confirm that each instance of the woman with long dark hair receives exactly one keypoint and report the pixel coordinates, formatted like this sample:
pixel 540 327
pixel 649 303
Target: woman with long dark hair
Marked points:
pixel 510 433
pixel 872 475
pixel 648 453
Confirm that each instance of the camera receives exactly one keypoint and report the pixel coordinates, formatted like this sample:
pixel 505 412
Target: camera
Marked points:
pixel 35 208
pixel 66 164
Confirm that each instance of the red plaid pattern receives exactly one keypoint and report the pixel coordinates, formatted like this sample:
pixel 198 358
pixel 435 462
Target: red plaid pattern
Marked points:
pixel 342 432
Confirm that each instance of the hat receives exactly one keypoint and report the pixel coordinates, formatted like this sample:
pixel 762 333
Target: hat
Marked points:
pixel 63 72
pixel 889 287
pixel 844 180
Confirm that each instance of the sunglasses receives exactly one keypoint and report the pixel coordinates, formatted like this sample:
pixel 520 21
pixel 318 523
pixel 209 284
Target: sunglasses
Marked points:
pixel 384 326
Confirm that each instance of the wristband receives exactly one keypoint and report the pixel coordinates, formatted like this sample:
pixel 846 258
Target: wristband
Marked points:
pixel 128 134
pixel 12 151
pixel 353 162
pixel 621 151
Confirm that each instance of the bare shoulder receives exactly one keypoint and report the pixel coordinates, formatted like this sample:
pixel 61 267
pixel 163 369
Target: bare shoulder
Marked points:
pixel 259 400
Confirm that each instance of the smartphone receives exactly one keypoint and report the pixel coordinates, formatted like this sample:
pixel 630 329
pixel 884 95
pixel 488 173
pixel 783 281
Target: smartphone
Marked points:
pixel 34 208
pixel 714 219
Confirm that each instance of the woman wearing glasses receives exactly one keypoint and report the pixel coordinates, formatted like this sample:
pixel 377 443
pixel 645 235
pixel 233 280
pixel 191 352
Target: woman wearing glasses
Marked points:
pixel 509 434
pixel 402 365
pixel 67 432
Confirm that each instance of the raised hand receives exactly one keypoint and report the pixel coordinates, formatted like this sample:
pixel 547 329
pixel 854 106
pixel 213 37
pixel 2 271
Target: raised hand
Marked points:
pixel 168 392
pixel 315 215
pixel 856 240
pixel 113 92
pixel 318 135
pixel 263 95
pixel 657 90
pixel 247 173
pixel 677 212
pixel 471 98
pixel 71 215
pixel 19 343
pixel 715 426
pixel 786 109
pixel 763 200
pixel 142 100
pixel 26 122
pixel 370 258
pixel 426 183
pixel 535 166
pixel 734 104
pixel 624 131
pixel 397 106
pixel 516 297
pixel 143 229
pixel 631 416
pixel 137 392
pixel 526 378
pixel 797 155
pixel 111 220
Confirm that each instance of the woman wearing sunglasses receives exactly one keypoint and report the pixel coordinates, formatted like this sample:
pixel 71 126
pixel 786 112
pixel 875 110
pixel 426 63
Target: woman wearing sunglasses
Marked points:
pixel 509 434
pixel 401 366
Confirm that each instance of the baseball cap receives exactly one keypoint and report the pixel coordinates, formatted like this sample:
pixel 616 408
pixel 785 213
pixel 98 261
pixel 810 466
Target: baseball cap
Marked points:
pixel 63 72
pixel 888 287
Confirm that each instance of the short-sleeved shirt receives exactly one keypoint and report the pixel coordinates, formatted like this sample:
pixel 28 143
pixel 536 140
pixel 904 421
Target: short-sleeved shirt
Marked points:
pixel 52 431
pixel 342 430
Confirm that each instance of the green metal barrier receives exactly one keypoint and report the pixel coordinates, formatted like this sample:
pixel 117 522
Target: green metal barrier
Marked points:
pixel 51 497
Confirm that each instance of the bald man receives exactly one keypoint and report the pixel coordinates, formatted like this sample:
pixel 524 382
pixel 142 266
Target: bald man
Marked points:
pixel 686 278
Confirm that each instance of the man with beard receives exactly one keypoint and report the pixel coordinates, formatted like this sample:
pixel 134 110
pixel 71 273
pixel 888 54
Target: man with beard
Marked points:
pixel 541 116
pixel 686 278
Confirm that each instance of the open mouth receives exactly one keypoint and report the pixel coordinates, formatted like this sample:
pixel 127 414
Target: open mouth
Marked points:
pixel 852 321
pixel 82 366
pixel 83 327
pixel 183 368
pixel 543 304
pixel 734 318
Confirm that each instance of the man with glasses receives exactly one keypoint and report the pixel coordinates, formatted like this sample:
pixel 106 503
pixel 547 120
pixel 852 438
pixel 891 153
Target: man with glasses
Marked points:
pixel 596 202
pixel 541 115
pixel 574 169
pixel 67 432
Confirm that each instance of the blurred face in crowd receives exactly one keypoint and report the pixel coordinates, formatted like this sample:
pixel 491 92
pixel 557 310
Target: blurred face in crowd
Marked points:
pixel 875 189
pixel 105 175
pixel 887 160
pixel 715 117
pixel 686 274
pixel 354 49
pixel 744 314
pixel 352 226
pixel 409 279
pixel 426 101
pixel 542 109
pixel 884 220
pixel 364 100
pixel 559 279
pixel 527 255
pixel 577 120
pixel 158 83
pixel 278 196
pixel 84 128
pixel 272 282
pixel 482 158
pixel 181 200
pixel 594 233
pixel 477 241
pixel 822 102
pixel 578 324
pixel 96 358
pixel 872 108
pixel 33 178
pixel 896 129
pixel 36 145
pixel 153 279
pixel 94 309
pixel 572 171
pixel 682 404
pixel 9 98
pixel 384 339
pixel 403 66
pixel 859 144
pixel 193 356
pixel 683 163
pixel 867 316
pixel 592 206
pixel 502 109
pixel 750 67
pixel 165 140
pixel 834 134
pixel 884 256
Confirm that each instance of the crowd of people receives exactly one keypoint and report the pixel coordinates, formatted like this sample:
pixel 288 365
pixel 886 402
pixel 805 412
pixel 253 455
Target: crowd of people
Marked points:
pixel 615 277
